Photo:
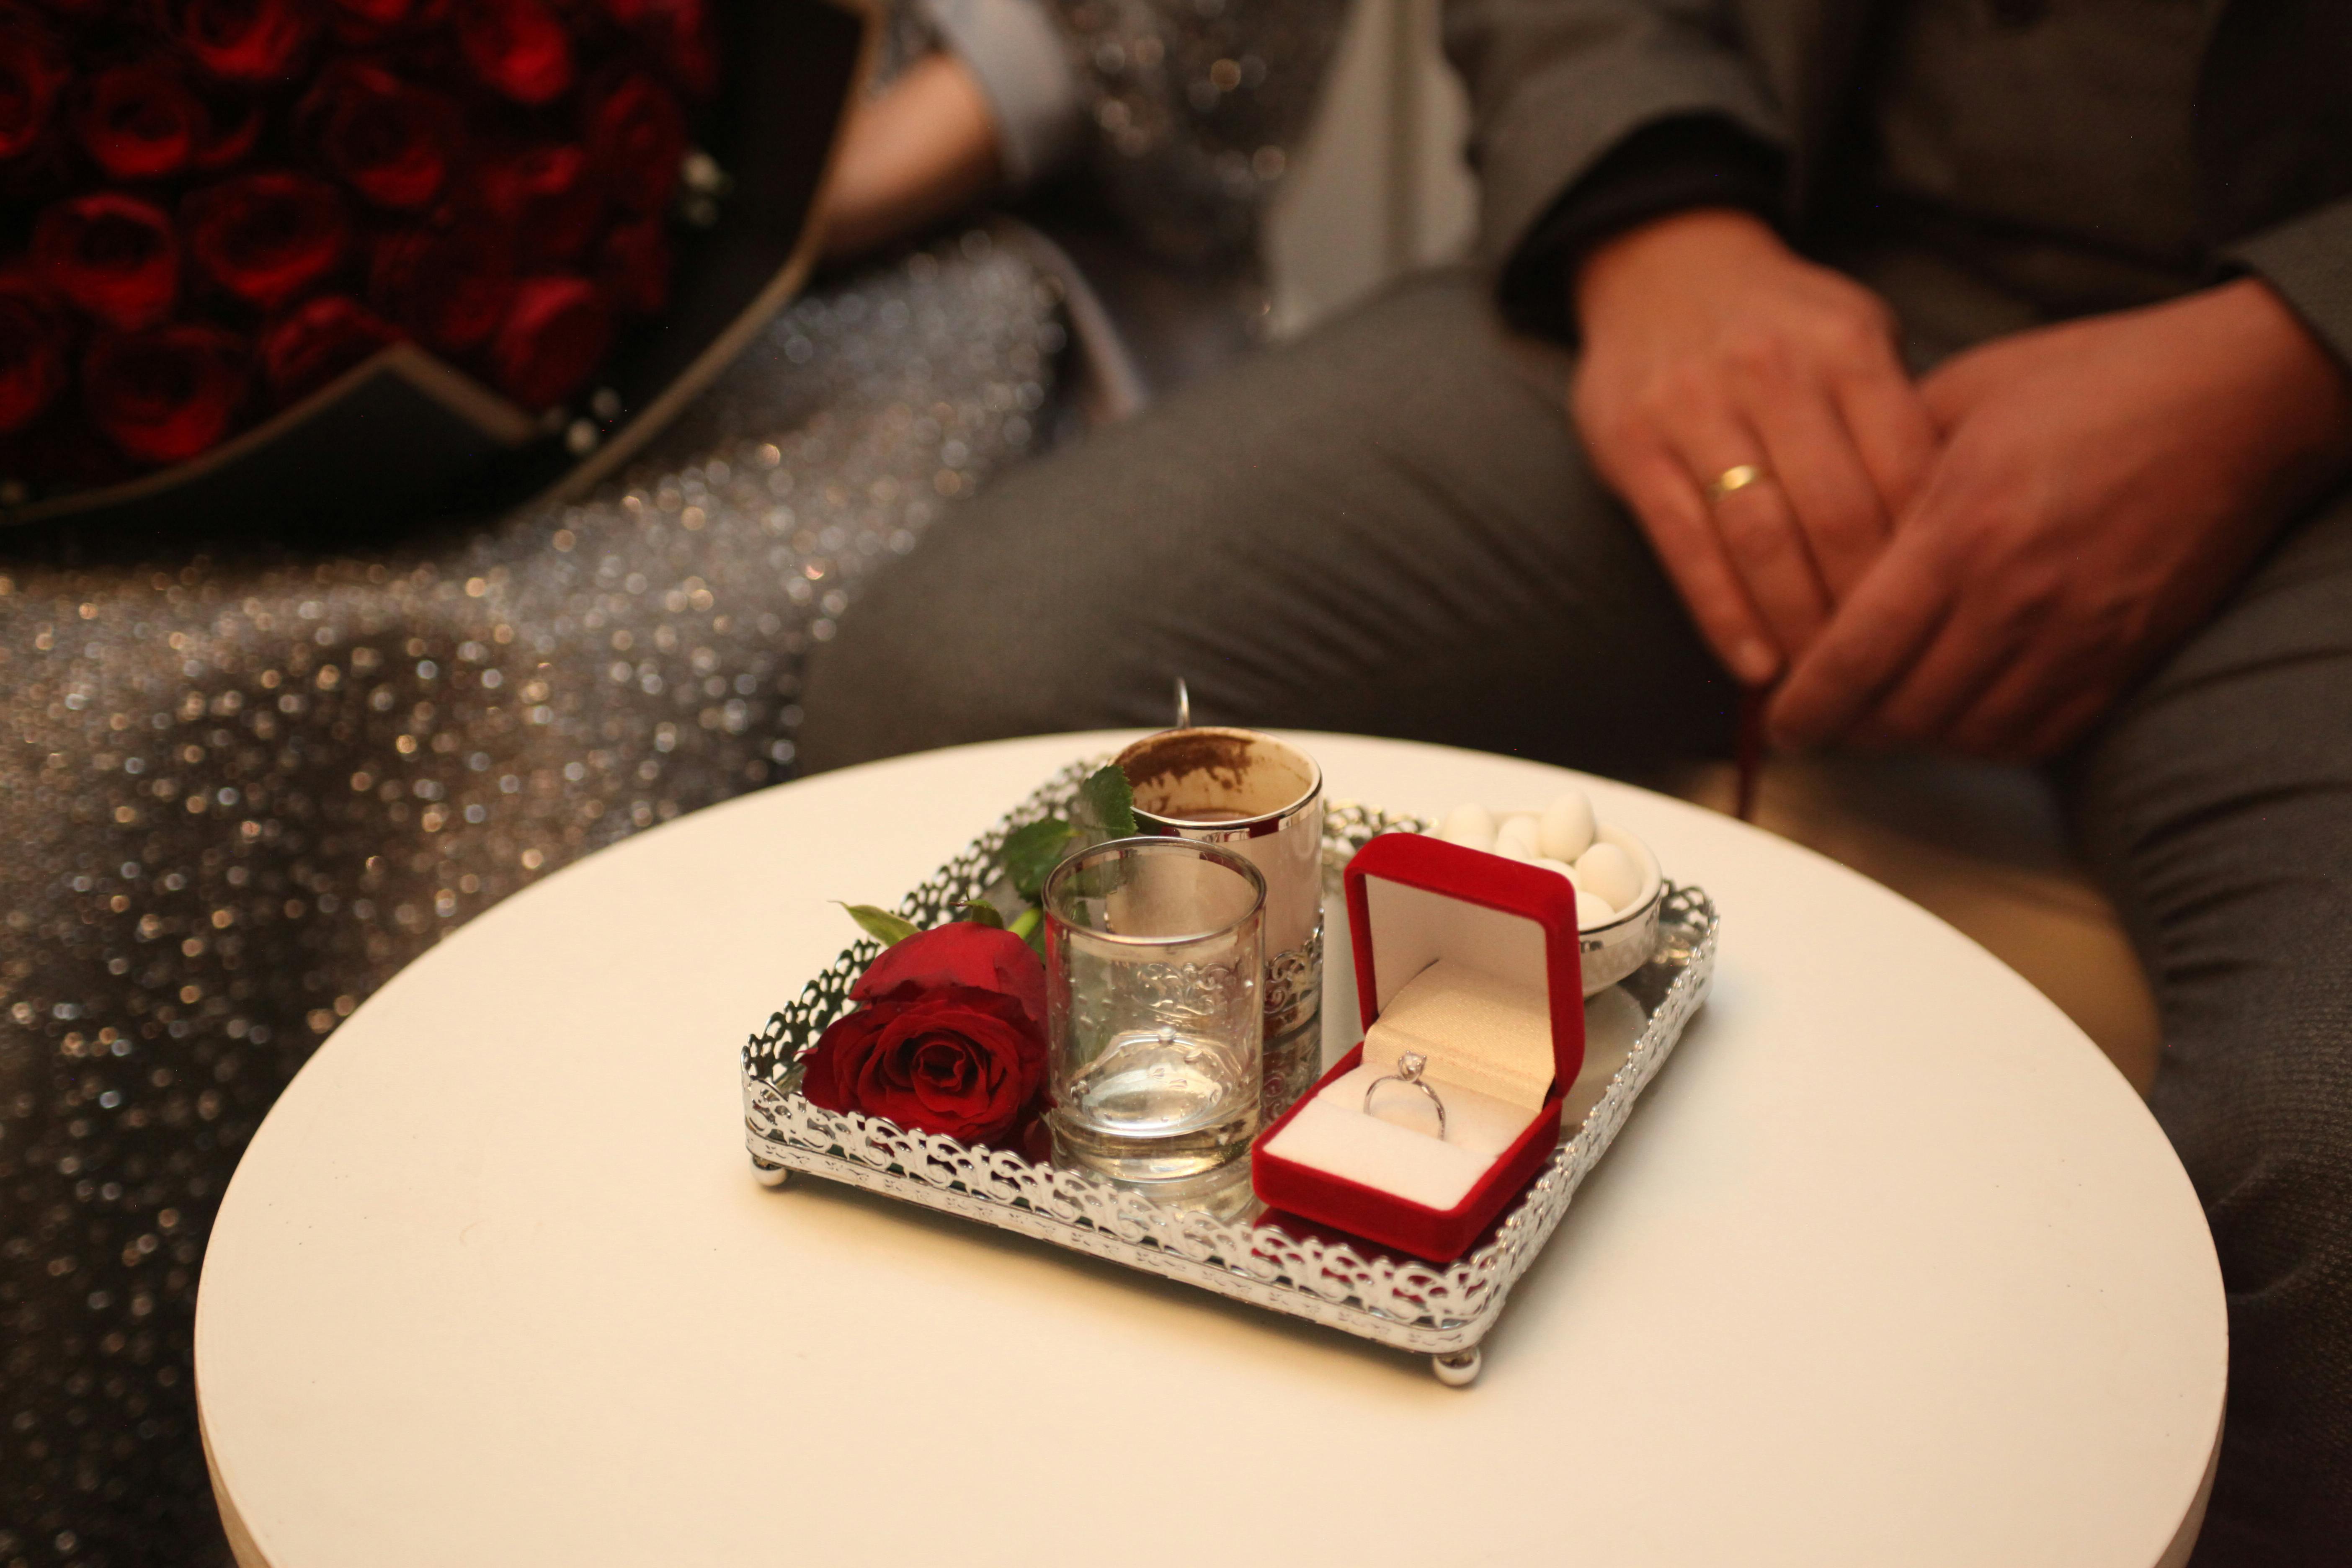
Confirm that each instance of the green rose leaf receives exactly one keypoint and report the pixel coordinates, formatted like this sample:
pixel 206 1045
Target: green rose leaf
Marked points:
pixel 879 922
pixel 981 912
pixel 1032 851
pixel 1109 799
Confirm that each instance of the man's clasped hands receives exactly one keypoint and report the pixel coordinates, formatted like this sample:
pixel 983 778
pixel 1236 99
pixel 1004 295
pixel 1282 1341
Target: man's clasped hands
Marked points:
pixel 1978 560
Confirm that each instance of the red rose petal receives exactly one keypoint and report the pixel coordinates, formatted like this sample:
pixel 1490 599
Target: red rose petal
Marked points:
pixel 961 953
pixel 141 121
pixel 636 135
pixel 165 395
pixel 321 339
pixel 387 138
pixel 552 340
pixel 517 47
pixel 112 257
pixel 450 287
pixel 952 1059
pixel 33 76
pixel 249 41
pixel 266 238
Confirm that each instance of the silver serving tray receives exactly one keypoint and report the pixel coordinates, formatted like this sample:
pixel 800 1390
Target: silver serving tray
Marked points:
pixel 1210 1240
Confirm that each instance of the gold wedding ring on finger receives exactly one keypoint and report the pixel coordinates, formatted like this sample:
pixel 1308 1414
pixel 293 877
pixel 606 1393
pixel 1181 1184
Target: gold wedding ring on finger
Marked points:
pixel 1733 479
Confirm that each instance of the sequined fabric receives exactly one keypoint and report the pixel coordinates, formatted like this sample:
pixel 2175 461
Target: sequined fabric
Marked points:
pixel 244 786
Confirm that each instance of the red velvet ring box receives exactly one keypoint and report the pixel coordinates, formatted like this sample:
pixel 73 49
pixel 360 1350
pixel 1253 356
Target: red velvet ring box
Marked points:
pixel 1470 960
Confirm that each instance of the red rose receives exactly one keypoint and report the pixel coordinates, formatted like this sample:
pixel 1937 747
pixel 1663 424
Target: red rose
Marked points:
pixel 517 47
pixel 636 135
pixel 950 1038
pixel 140 122
pixel 33 73
pixel 633 266
pixel 548 199
pixel 553 338
pixel 450 287
pixel 961 953
pixel 318 340
pixel 952 1059
pixel 34 337
pixel 166 394
pixel 266 238
pixel 390 139
pixel 241 41
pixel 112 257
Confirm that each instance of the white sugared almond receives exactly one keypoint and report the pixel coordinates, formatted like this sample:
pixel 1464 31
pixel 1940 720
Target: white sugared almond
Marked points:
pixel 1590 911
pixel 1608 872
pixel 1606 879
pixel 1473 826
pixel 1567 826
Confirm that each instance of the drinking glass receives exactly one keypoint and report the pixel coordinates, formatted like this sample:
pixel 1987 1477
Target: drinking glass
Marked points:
pixel 1154 956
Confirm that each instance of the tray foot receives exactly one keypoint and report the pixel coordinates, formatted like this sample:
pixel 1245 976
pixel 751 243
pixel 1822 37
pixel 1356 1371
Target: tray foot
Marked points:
pixel 768 1175
pixel 1459 1369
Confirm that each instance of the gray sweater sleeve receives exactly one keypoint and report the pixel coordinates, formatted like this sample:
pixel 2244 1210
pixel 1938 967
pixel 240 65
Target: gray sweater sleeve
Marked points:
pixel 2308 259
pixel 1555 84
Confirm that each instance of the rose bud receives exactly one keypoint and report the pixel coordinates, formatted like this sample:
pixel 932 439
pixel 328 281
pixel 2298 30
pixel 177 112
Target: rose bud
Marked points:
pixel 449 286
pixel 249 41
pixel 33 74
pixel 318 340
pixel 390 139
pixel 517 47
pixel 633 266
pixel 140 122
pixel 112 257
pixel 164 395
pixel 553 338
pixel 34 340
pixel 268 238
pixel 546 197
pixel 636 135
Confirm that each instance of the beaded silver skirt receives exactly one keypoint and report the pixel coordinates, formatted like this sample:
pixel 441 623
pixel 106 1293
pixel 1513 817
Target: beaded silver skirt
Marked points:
pixel 1354 1285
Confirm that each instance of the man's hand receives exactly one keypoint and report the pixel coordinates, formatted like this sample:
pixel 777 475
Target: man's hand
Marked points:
pixel 924 149
pixel 2102 484
pixel 1709 344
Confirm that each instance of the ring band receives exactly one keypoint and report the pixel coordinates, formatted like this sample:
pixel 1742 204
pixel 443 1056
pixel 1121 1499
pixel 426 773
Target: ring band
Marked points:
pixel 1736 477
pixel 1409 1068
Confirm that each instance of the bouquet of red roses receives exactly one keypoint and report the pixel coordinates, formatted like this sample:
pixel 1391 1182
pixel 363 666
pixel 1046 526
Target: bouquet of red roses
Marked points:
pixel 214 207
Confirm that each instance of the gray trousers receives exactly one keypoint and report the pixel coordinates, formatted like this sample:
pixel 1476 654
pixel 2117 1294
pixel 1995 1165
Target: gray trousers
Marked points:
pixel 1389 528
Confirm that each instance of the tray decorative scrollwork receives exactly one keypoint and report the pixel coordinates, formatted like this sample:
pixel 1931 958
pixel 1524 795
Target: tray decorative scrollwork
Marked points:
pixel 1357 1287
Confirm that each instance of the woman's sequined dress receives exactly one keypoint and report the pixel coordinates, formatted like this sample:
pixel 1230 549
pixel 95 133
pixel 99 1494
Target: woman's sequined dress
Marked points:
pixel 244 784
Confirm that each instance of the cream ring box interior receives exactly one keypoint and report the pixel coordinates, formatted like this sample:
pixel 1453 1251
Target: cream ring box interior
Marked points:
pixel 1472 960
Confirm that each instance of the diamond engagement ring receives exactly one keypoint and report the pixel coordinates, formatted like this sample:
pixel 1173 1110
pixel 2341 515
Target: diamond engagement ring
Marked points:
pixel 1408 1072
pixel 1736 477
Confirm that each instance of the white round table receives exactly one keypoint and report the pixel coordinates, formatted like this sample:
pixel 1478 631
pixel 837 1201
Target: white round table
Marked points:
pixel 1889 1267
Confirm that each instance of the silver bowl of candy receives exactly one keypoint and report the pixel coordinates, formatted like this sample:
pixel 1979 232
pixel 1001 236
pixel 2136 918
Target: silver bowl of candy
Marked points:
pixel 1619 886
